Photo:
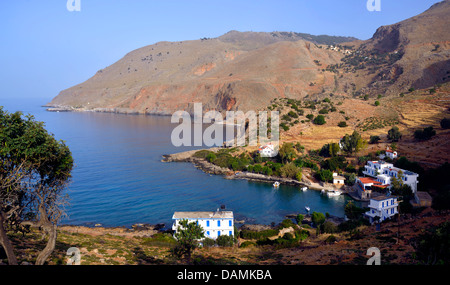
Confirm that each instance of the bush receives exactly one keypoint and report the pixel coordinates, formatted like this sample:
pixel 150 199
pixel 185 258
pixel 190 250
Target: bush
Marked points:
pixel 325 175
pixel 377 103
pixel 289 170
pixel 247 244
pixel 323 111
pixel 331 239
pixel 225 240
pixel 299 218
pixel 374 139
pixel 202 153
pixel 208 242
pixel 342 124
pixel 445 123
pixel 293 114
pixel 211 157
pixel 310 116
pixel 247 234
pixel 424 134
pixel 317 218
pixel 329 227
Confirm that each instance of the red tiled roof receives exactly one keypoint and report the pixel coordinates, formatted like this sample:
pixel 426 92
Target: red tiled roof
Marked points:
pixel 367 180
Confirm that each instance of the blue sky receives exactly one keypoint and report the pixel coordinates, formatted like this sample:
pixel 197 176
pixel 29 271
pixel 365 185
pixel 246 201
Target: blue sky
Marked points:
pixel 44 48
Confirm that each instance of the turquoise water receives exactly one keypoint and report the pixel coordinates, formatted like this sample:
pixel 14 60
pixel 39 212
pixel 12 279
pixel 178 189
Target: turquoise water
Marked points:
pixel 119 179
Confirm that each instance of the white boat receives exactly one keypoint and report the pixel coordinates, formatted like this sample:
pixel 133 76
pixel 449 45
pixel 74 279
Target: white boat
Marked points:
pixel 276 184
pixel 333 193
pixel 304 188
pixel 307 208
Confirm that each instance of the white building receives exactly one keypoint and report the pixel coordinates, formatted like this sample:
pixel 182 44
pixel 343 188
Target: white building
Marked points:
pixel 214 224
pixel 391 154
pixel 267 150
pixel 383 207
pixel 384 172
pixel 340 180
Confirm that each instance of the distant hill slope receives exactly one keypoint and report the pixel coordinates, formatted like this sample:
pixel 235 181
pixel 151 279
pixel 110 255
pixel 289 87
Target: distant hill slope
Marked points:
pixel 246 70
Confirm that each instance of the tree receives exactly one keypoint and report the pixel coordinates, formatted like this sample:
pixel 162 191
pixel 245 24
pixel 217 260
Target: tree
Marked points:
pixel 424 134
pixel 445 123
pixel 289 170
pixel 37 169
pixel 188 236
pixel 319 120
pixel 374 139
pixel 287 152
pixel 325 175
pixel 334 149
pixel 394 134
pixel 353 212
pixel 352 143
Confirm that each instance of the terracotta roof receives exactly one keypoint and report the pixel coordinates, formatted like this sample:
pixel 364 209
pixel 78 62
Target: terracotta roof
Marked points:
pixel 367 180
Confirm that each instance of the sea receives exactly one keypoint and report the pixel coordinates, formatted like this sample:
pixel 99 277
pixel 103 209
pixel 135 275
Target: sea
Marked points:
pixel 119 178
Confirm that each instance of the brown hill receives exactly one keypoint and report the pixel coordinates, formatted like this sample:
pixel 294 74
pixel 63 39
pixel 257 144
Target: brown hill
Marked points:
pixel 245 71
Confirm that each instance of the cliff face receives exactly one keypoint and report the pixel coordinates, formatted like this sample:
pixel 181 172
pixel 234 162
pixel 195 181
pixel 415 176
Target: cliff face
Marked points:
pixel 245 71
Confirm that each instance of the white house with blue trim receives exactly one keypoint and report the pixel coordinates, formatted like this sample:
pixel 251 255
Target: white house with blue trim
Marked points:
pixel 384 172
pixel 383 207
pixel 214 224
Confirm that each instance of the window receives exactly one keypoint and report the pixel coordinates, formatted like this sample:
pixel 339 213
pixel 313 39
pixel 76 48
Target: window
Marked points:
pixel 230 234
pixel 207 233
pixel 207 223
pixel 230 223
pixel 218 223
pixel 218 233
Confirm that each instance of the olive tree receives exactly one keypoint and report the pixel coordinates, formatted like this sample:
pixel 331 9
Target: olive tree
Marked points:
pixel 37 168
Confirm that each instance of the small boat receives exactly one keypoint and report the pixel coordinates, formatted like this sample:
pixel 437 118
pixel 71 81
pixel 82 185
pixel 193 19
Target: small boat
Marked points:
pixel 307 209
pixel 304 188
pixel 276 184
pixel 333 193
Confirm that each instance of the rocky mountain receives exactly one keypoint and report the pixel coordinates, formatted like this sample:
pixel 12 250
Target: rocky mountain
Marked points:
pixel 246 70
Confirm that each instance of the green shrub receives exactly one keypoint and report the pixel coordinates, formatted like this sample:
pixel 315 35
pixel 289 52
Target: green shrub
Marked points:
pixel 445 123
pixel 225 240
pixel 247 244
pixel 319 120
pixel 342 124
pixel 331 239
pixel 202 153
pixel 208 242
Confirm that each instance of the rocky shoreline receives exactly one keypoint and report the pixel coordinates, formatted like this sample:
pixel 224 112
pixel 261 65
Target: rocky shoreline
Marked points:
pixel 126 111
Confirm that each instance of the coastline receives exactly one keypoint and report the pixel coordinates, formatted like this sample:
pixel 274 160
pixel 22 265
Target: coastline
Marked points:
pixel 125 111
pixel 210 168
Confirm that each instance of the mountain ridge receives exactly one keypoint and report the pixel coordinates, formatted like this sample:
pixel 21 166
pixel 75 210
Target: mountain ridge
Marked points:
pixel 246 70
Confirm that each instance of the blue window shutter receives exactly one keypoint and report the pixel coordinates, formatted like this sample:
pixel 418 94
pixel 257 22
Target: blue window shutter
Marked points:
pixel 207 223
pixel 218 223
pixel 218 233
pixel 229 223
pixel 207 233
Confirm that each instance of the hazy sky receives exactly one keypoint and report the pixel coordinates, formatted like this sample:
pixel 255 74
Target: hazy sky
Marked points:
pixel 44 48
